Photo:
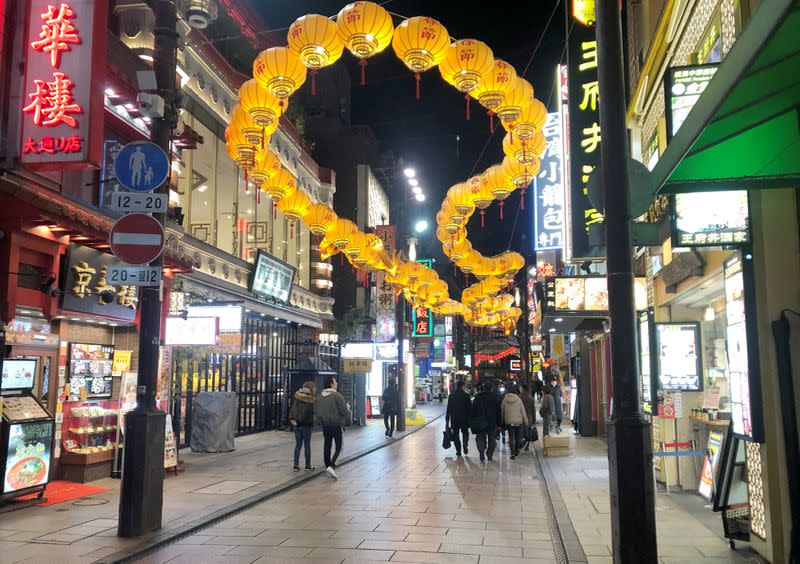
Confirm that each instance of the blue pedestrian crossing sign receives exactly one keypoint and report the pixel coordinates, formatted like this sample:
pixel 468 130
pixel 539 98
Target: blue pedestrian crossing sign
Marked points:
pixel 141 166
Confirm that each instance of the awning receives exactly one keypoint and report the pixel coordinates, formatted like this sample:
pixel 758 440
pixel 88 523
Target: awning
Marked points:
pixel 744 130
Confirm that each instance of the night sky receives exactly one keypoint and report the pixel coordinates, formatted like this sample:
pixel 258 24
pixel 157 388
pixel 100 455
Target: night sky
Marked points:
pixel 424 132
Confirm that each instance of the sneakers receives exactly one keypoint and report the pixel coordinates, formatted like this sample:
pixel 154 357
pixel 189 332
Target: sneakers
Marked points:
pixel 387 434
pixel 483 458
pixel 466 450
pixel 310 468
pixel 296 468
pixel 513 457
pixel 329 471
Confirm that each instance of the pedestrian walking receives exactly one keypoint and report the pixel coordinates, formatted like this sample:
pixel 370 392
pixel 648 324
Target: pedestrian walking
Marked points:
pixel 459 406
pixel 441 392
pixel 546 410
pixel 558 395
pixel 301 417
pixel 391 407
pixel 483 421
pixel 332 414
pixel 537 387
pixel 514 417
pixel 530 411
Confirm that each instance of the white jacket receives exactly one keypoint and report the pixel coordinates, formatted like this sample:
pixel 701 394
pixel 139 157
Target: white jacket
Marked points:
pixel 513 411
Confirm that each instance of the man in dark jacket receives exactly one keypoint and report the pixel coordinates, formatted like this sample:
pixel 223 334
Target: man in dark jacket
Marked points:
pixel 332 412
pixel 391 407
pixel 485 411
pixel 530 409
pixel 457 417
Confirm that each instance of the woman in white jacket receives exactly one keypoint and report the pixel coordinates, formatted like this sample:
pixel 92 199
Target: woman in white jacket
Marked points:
pixel 514 416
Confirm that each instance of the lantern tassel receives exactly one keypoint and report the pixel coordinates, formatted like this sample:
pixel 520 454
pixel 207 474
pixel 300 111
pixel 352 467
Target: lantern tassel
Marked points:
pixel 467 98
pixel 483 213
pixel 258 196
pixel 274 211
pixel 491 121
pixel 522 199
pixel 502 203
pixel 263 134
pixel 291 230
pixel 280 111
pixel 417 78
pixel 511 134
pixel 363 63
pixel 313 82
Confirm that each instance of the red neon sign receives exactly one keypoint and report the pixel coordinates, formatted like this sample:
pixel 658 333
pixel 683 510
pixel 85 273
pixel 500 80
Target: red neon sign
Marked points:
pixel 57 32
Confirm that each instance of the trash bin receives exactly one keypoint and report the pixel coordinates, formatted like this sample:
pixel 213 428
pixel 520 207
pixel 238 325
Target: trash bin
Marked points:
pixel 214 421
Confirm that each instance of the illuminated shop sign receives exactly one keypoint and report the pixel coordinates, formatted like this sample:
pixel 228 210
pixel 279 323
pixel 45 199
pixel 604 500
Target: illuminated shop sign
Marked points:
pixel 586 294
pixel 678 356
pixel 711 218
pixel 384 293
pixel 62 108
pixel 548 201
pixel 422 317
pixel 87 288
pixel 272 278
pixel 584 143
pixel 683 86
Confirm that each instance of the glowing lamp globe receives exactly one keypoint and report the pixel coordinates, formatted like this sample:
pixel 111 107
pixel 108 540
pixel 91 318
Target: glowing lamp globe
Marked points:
pixel 280 71
pixel 314 39
pixel 341 232
pixel 467 60
pixel 319 219
pixel 519 98
pixel 280 185
pixel 365 28
pixel 529 122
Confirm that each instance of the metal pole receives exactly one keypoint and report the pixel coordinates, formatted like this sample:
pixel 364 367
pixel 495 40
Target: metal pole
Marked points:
pixel 630 450
pixel 141 497
pixel 401 371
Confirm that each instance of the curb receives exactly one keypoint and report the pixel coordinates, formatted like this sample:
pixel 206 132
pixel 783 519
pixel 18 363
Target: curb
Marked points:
pixel 566 543
pixel 168 537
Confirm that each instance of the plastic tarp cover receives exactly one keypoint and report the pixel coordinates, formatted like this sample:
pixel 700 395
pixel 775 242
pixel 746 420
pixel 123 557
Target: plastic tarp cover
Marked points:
pixel 214 421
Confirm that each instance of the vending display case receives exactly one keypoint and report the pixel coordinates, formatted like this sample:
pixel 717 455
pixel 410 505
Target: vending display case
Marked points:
pixel 27 432
pixel 89 431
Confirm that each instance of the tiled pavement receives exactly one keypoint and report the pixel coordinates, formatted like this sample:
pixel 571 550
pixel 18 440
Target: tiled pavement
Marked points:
pixel 410 502
pixel 84 530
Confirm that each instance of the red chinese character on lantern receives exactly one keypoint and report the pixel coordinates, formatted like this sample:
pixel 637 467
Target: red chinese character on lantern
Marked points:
pixel 428 33
pixel 57 32
pixel 52 102
pixel 467 54
pixel 353 16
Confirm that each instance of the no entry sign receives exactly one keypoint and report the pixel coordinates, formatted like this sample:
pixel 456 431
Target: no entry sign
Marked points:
pixel 136 238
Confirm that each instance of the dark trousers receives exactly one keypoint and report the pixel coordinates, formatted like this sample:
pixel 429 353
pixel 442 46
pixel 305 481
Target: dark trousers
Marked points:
pixel 331 435
pixel 390 421
pixel 514 436
pixel 464 432
pixel 302 438
pixel 487 442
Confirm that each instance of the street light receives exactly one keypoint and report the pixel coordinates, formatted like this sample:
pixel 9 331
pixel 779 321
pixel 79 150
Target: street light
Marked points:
pixel 420 197
pixel 413 181
pixel 420 226
pixel 416 190
pixel 409 172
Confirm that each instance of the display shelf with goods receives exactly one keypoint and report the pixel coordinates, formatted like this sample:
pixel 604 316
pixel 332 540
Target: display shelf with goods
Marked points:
pixel 90 371
pixel 88 439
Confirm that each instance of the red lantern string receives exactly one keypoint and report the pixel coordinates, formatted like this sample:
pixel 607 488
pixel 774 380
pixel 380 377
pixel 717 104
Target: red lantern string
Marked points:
pixel 417 78
pixel 511 134
pixel 258 196
pixel 313 82
pixel 502 203
pixel 467 97
pixel 363 63
pixel 274 210
pixel 483 213
pixel 262 137
pixel 291 230
pixel 491 121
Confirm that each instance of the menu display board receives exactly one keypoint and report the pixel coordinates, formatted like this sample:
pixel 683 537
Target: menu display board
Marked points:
pixel 27 460
pixel 192 331
pixel 272 278
pixel 684 85
pixel 711 218
pixel 21 408
pixel 738 367
pixel 710 463
pixel 586 293
pixel 90 368
pixel 678 355
pixel 18 373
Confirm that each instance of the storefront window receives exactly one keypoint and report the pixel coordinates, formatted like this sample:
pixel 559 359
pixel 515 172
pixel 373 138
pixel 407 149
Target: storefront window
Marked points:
pixel 227 177
pixel 199 182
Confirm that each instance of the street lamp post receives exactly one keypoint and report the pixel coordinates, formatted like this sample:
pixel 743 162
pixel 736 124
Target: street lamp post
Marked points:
pixel 630 451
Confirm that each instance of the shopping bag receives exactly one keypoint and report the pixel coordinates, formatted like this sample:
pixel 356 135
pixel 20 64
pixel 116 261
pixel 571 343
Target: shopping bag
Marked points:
pixel 447 438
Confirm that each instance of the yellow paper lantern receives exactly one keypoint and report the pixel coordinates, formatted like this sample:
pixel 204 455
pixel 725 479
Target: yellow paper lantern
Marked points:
pixel 314 39
pixel 355 244
pixel 341 232
pixel 460 199
pixel 366 29
pixel 458 250
pixel 267 165
pixel 519 98
pixel 530 121
pixel 279 71
pixel 421 43
pixel 242 151
pixel 468 261
pixel 280 185
pixel 242 121
pixel 262 105
pixel 495 84
pixel 467 60
pixel 480 194
pixel 294 207
pixel 524 151
pixel 327 249
pixel 517 174
pixel 319 219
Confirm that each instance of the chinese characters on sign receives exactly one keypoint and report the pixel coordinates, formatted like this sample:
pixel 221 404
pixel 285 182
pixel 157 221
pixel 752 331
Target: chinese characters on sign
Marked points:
pixel 357 364
pixel 549 190
pixel 584 142
pixel 422 317
pixel 711 218
pixel 384 293
pixel 684 86
pixel 62 107
pixel 89 288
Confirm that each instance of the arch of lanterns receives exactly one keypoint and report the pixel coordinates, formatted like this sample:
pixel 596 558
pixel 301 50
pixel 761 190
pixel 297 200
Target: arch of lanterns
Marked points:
pixel 422 43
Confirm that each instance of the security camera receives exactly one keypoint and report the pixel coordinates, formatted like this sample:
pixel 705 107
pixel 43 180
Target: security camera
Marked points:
pixel 150 105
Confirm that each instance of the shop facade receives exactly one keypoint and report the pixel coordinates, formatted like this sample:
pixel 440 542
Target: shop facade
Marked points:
pixel 56 304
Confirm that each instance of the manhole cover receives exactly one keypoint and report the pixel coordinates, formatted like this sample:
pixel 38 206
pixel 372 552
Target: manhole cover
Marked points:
pixel 88 502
